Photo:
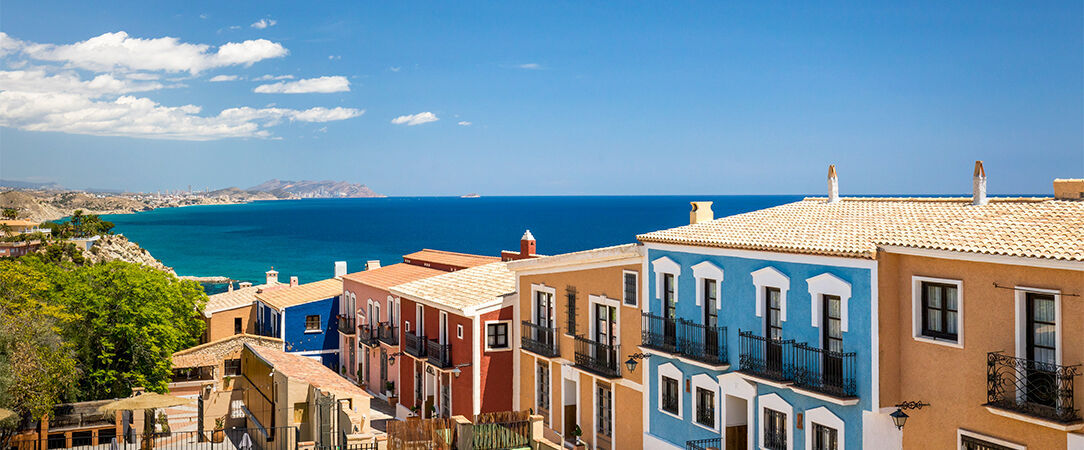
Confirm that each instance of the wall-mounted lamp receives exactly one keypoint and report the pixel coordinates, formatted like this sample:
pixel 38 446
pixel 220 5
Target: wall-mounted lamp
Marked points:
pixel 391 357
pixel 455 370
pixel 899 418
pixel 633 358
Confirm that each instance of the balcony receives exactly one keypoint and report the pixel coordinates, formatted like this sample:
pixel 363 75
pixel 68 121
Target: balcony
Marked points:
pixel 346 324
pixel 366 335
pixel 541 340
pixel 388 333
pixel 414 345
pixel 764 358
pixel 825 371
pixel 1031 388
pixel 704 444
pixel 602 359
pixel 440 355
pixel 685 338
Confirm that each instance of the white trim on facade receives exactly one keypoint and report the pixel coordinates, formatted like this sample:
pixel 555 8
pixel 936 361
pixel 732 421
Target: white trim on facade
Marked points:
pixel 1021 319
pixel 984 258
pixel 625 300
pixel 824 417
pixel 916 311
pixel 509 347
pixel 960 433
pixel 665 265
pixel 774 402
pixel 837 261
pixel 705 381
pixel 708 271
pixel 771 277
pixel 669 370
pixel 828 284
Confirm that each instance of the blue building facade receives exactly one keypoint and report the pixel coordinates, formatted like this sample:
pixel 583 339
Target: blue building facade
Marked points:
pixel 757 349
pixel 308 328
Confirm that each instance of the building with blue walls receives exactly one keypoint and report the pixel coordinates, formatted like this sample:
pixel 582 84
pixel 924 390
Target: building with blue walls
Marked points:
pixel 759 330
pixel 304 317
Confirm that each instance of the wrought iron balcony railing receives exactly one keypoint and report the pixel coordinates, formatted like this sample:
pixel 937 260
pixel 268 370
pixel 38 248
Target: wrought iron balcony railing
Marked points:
pixel 766 358
pixel 686 338
pixel 346 324
pixel 414 345
pixel 704 444
pixel 388 333
pixel 1034 388
pixel 440 355
pixel 366 335
pixel 541 340
pixel 825 371
pixel 603 359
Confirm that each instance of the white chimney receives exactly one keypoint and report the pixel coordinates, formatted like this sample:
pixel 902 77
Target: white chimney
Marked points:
pixel 272 276
pixel 244 284
pixel 372 264
pixel 293 281
pixel 833 184
pixel 701 212
pixel 340 269
pixel 230 288
pixel 978 185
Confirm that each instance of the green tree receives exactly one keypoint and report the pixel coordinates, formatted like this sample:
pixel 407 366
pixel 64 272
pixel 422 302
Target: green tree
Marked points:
pixel 10 213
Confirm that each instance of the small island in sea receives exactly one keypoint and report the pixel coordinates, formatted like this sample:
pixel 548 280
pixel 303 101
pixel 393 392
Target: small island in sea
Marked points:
pixel 471 195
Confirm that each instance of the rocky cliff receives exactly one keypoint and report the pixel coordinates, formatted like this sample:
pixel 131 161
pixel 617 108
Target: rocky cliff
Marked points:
pixel 118 248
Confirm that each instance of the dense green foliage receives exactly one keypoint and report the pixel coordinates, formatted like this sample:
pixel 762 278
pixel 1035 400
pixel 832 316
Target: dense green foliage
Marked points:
pixel 80 225
pixel 89 331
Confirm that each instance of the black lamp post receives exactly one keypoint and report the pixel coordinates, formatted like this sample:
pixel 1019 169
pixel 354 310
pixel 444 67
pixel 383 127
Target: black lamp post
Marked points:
pixel 633 358
pixel 899 418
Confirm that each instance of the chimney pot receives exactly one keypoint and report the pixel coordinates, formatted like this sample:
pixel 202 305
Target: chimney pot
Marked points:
pixel 340 269
pixel 372 264
pixel 833 184
pixel 978 185
pixel 272 276
pixel 230 288
pixel 293 281
pixel 527 244
pixel 1069 189
pixel 701 212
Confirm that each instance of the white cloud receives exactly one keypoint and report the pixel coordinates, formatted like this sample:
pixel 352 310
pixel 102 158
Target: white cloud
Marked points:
pixel 203 16
pixel 529 66
pixel 143 118
pixel 38 81
pixel 235 27
pixel 9 44
pixel 395 69
pixel 264 23
pixel 273 77
pixel 305 86
pixel 334 57
pixel 219 78
pixel 465 123
pixel 415 119
pixel 118 51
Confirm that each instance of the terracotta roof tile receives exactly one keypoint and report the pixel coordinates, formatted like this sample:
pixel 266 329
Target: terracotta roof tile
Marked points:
pixel 309 292
pixel 460 260
pixel 462 289
pixel 854 227
pixel 395 274
pixel 308 370
pixel 237 297
pixel 213 352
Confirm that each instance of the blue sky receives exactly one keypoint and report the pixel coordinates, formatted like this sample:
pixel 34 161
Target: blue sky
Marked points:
pixel 544 97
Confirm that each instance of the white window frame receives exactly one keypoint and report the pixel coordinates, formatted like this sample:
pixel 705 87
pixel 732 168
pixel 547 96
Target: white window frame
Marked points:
pixel 485 326
pixel 624 301
pixel 771 277
pixel 669 370
pixel 662 266
pixel 828 284
pixel 391 310
pixel 960 433
pixel 708 271
pixel 824 417
pixel 916 311
pixel 1020 307
pixel 459 331
pixel 592 300
pixel 705 381
pixel 775 402
pixel 535 289
pixel 406 326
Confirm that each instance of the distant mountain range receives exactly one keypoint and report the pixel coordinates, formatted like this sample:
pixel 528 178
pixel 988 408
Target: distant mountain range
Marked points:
pixel 314 189
pixel 48 186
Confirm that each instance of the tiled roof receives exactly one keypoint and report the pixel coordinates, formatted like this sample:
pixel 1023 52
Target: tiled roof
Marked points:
pixel 309 292
pixel 853 227
pixel 237 297
pixel 18 223
pixel 395 274
pixel 616 252
pixel 308 370
pixel 462 289
pixel 211 353
pixel 460 260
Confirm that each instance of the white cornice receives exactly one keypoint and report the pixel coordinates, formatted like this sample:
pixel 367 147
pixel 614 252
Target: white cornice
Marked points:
pixel 984 258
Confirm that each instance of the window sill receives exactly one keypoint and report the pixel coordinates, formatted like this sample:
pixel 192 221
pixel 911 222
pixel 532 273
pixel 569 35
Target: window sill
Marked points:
pixel 713 430
pixel 313 331
pixel 938 341
pixel 676 416
pixel 502 349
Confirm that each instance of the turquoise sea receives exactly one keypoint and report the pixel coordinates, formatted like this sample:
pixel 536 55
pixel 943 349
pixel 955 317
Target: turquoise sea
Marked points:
pixel 304 237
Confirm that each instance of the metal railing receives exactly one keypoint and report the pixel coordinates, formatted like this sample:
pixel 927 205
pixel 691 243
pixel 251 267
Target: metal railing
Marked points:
pixel 440 355
pixel 414 345
pixel 346 323
pixel 1031 387
pixel 388 333
pixel 81 420
pixel 704 444
pixel 766 358
pixel 659 333
pixel 603 359
pixel 825 371
pixel 367 335
pixel 541 340
pixel 685 337
pixel 278 438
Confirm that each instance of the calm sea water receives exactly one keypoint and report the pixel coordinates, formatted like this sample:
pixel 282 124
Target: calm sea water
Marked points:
pixel 303 238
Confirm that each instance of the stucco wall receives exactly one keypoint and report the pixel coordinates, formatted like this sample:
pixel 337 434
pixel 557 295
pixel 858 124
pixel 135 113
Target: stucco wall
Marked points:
pixel 953 380
pixel 220 325
pixel 299 340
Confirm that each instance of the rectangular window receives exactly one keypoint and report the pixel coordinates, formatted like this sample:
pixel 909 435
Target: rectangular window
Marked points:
pixel 705 407
pixel 669 309
pixel 605 411
pixel 825 438
pixel 312 323
pixel 939 309
pixel 775 430
pixel 972 443
pixel 542 391
pixel 543 301
pixel 233 367
pixel 774 311
pixel 631 291
pixel 670 395
pixel 237 326
pixel 497 335
pixel 570 305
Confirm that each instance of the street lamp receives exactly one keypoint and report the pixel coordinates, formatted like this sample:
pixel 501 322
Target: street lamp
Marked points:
pixel 391 357
pixel 633 358
pixel 899 418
